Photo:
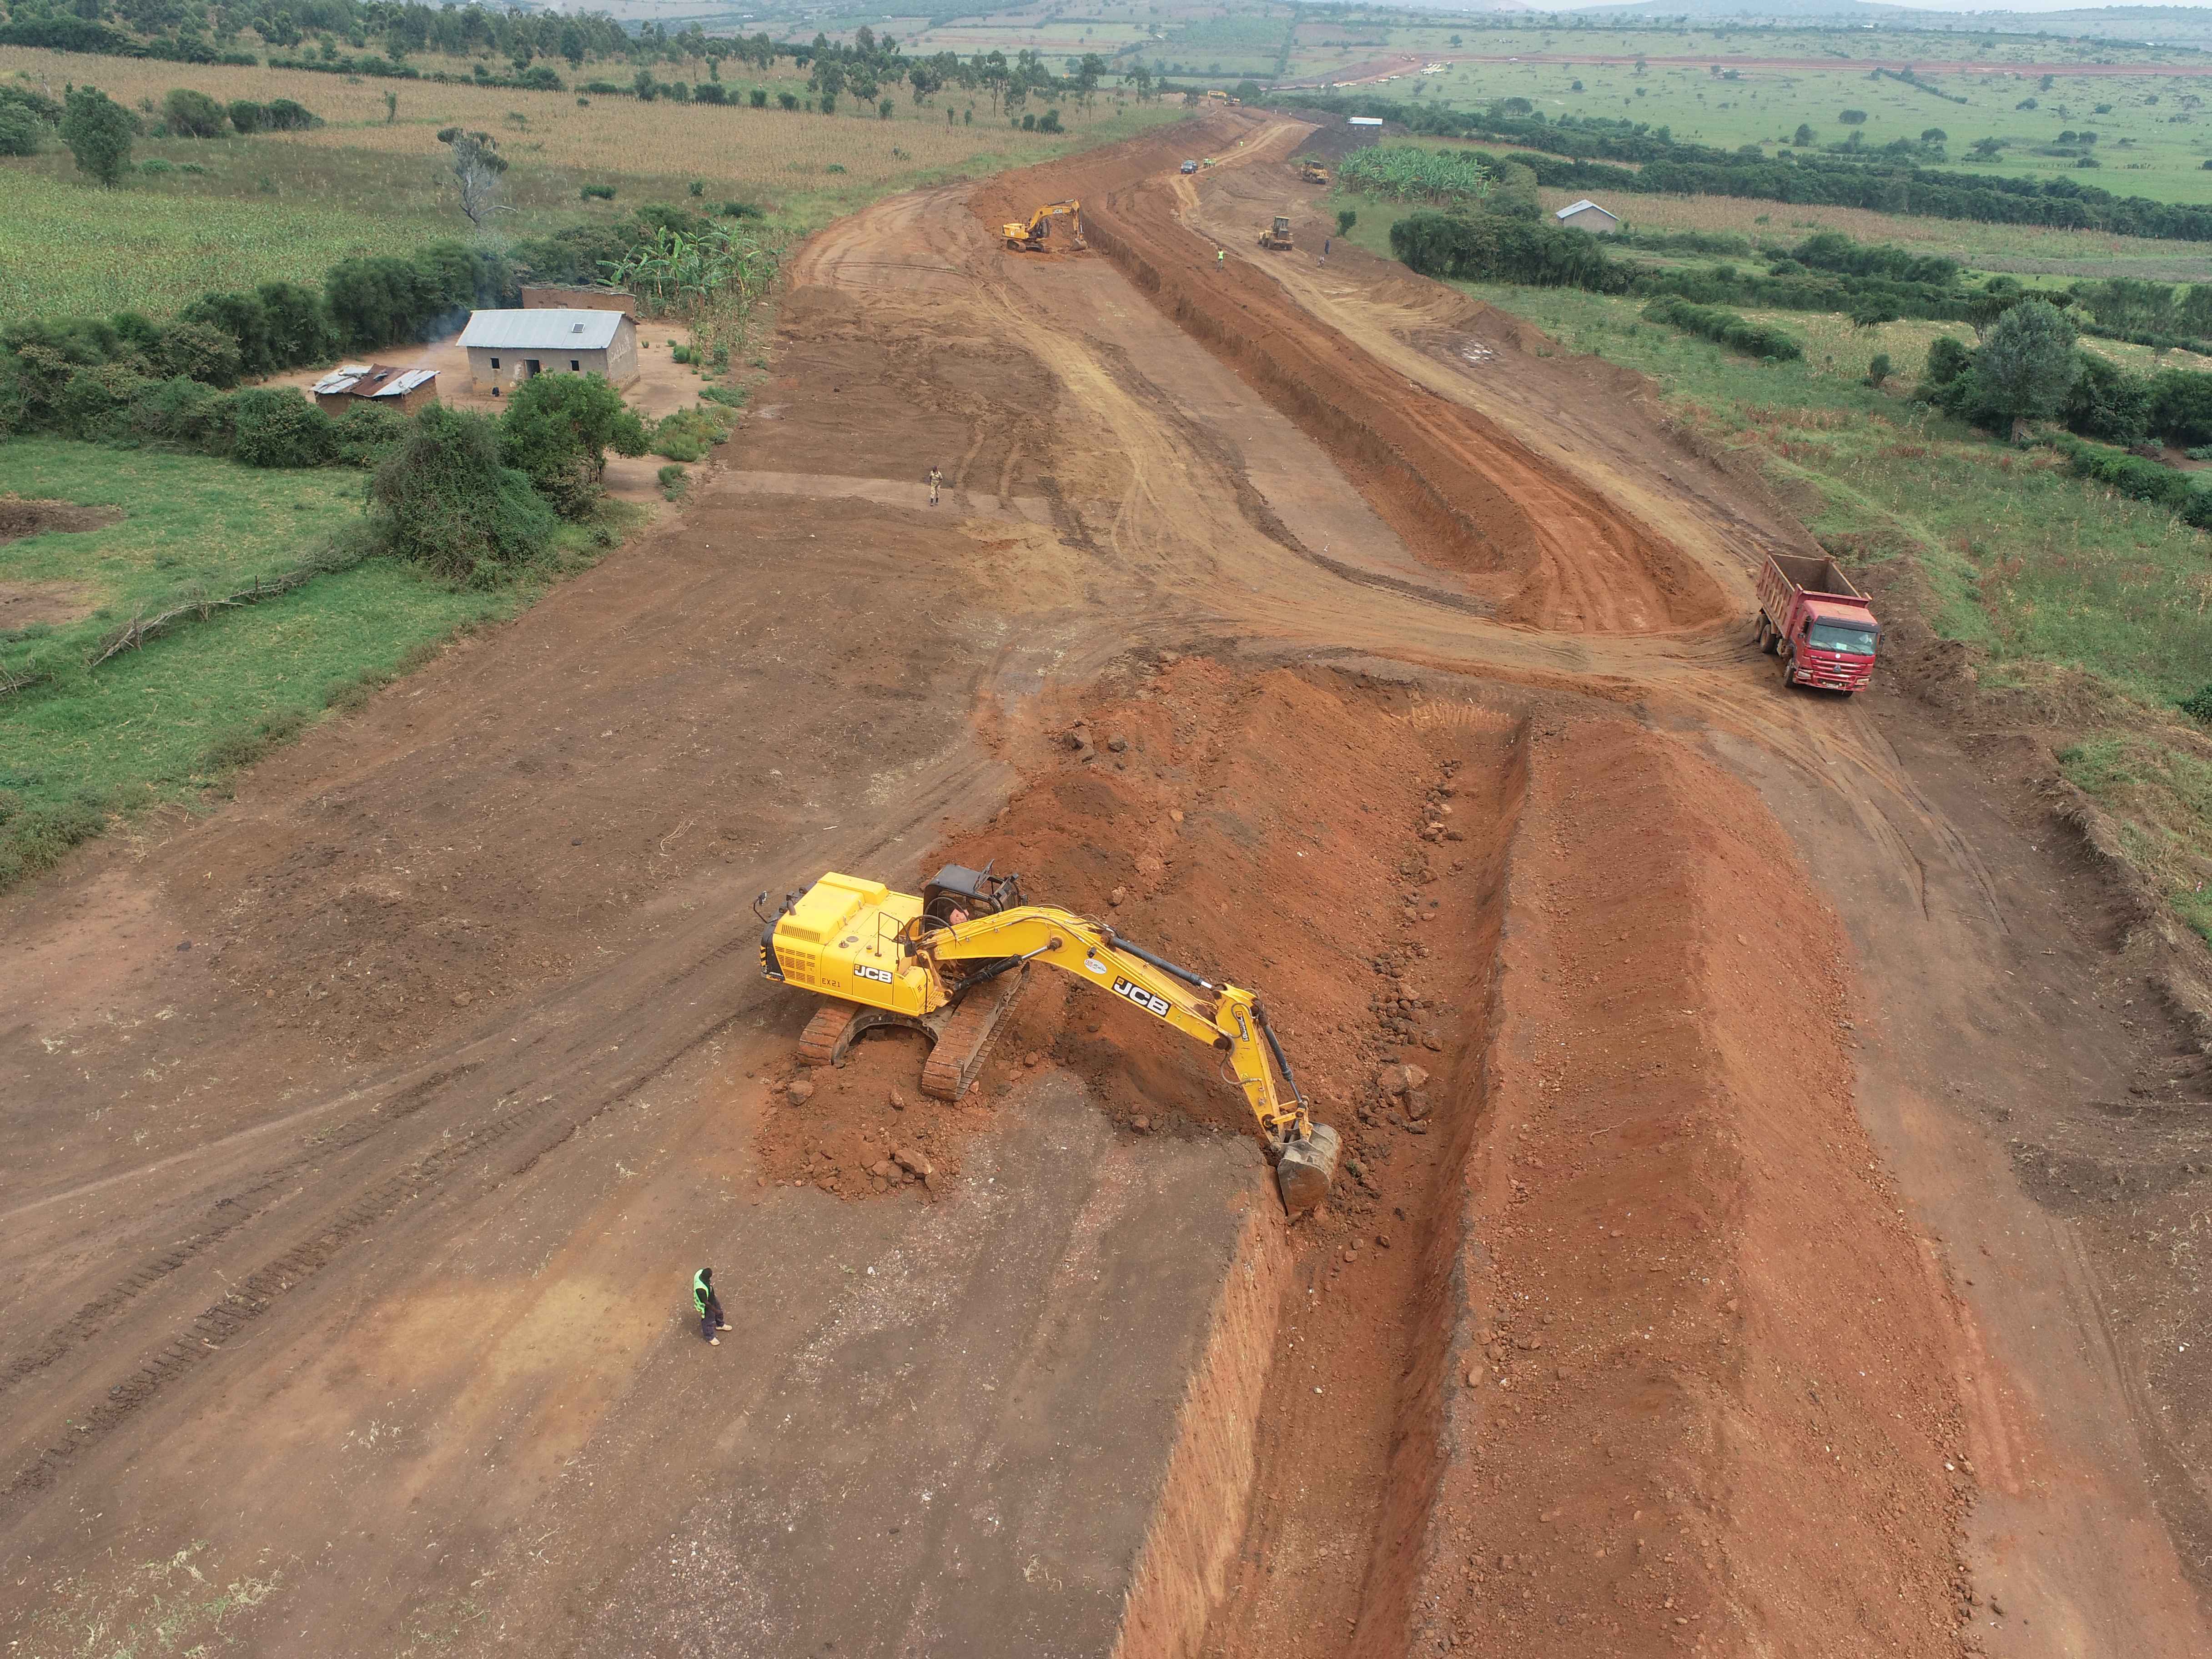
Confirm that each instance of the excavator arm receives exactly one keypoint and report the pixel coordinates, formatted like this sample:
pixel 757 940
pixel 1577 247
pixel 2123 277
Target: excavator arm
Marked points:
pixel 1223 1016
pixel 926 962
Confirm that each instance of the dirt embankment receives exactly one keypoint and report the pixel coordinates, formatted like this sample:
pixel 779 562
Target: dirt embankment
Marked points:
pixel 1521 533
pixel 1612 1338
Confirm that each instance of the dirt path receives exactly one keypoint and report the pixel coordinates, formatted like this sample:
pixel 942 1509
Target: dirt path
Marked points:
pixel 345 1249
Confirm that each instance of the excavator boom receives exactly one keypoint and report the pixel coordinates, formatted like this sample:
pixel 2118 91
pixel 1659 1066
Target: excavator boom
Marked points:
pixel 950 961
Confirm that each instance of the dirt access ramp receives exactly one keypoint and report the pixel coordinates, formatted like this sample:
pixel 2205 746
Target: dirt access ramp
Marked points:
pixel 1523 533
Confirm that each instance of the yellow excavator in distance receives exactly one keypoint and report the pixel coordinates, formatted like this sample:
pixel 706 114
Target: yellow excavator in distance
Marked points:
pixel 950 961
pixel 1039 236
pixel 1313 172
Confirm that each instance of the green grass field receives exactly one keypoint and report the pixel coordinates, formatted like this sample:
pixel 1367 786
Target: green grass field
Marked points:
pixel 233 211
pixel 162 723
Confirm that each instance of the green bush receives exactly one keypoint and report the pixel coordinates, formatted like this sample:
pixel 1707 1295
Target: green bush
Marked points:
pixel 200 351
pixel 20 131
pixel 285 116
pixel 444 499
pixel 1725 327
pixel 192 114
pixel 688 434
pixel 246 115
pixel 183 412
pixel 1492 247
pixel 674 480
pixel 2198 704
pixel 276 426
pixel 1879 370
pixel 365 434
pixel 597 192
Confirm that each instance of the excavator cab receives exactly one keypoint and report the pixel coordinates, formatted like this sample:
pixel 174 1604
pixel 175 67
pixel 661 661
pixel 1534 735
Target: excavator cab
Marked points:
pixel 956 894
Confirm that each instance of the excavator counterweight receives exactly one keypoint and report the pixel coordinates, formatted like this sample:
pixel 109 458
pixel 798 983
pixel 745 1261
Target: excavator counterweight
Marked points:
pixel 950 961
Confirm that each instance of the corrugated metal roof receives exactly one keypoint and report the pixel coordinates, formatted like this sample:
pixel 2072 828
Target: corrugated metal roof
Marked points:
pixel 372 380
pixel 405 383
pixel 543 330
pixel 1573 208
pixel 341 379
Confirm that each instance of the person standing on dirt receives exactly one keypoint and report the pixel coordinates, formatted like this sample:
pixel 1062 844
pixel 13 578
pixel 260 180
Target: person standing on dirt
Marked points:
pixel 1220 259
pixel 709 1306
pixel 936 478
pixel 1324 249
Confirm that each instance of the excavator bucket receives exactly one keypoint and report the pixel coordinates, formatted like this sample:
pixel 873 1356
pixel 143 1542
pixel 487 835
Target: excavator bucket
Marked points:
pixel 1306 1168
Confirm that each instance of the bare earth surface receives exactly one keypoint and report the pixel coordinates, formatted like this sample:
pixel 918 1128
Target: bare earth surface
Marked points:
pixel 1765 1219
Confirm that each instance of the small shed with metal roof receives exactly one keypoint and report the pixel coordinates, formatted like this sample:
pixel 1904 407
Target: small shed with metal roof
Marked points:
pixel 1587 214
pixel 506 348
pixel 405 390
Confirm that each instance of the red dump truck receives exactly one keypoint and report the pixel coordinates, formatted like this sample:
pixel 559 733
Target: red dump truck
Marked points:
pixel 1820 625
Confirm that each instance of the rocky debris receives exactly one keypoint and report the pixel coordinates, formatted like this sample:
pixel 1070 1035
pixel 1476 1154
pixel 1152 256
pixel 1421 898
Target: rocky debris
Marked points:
pixel 913 1162
pixel 1141 1125
pixel 1115 897
pixel 1401 1079
pixel 462 998
pixel 801 1090
pixel 1118 744
pixel 898 1101
pixel 1417 1104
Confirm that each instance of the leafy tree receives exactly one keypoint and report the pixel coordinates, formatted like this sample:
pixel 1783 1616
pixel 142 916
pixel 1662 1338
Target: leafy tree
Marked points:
pixel 1933 136
pixel 445 499
pixel 558 430
pixel 98 131
pixel 192 114
pixel 1805 137
pixel 1878 371
pixel 246 115
pixel 2027 364
pixel 1345 218
pixel 1852 118
pixel 477 167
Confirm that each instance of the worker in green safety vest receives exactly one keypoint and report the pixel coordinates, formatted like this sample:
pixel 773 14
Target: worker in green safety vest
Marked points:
pixel 709 1306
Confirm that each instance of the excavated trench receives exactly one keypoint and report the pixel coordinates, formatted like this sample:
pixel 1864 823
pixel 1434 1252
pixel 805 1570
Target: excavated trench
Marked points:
pixel 1610 1339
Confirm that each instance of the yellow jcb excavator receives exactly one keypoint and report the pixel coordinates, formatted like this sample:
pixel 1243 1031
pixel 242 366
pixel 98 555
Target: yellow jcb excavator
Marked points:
pixel 950 961
pixel 1039 236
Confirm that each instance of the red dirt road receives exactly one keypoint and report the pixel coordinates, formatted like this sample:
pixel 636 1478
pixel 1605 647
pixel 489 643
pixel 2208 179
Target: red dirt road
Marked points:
pixel 345 1249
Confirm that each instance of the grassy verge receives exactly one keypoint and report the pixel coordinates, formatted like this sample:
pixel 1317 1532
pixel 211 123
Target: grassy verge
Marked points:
pixel 165 723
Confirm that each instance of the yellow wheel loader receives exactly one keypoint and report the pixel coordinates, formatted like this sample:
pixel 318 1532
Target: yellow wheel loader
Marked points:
pixel 950 961
pixel 1313 172
pixel 1039 235
pixel 1278 240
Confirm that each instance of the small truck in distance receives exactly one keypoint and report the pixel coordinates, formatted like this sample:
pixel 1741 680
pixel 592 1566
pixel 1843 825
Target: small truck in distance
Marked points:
pixel 1821 626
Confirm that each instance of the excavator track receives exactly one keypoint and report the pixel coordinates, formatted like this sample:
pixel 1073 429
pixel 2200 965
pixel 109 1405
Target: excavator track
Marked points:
pixel 963 1042
pixel 823 1039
